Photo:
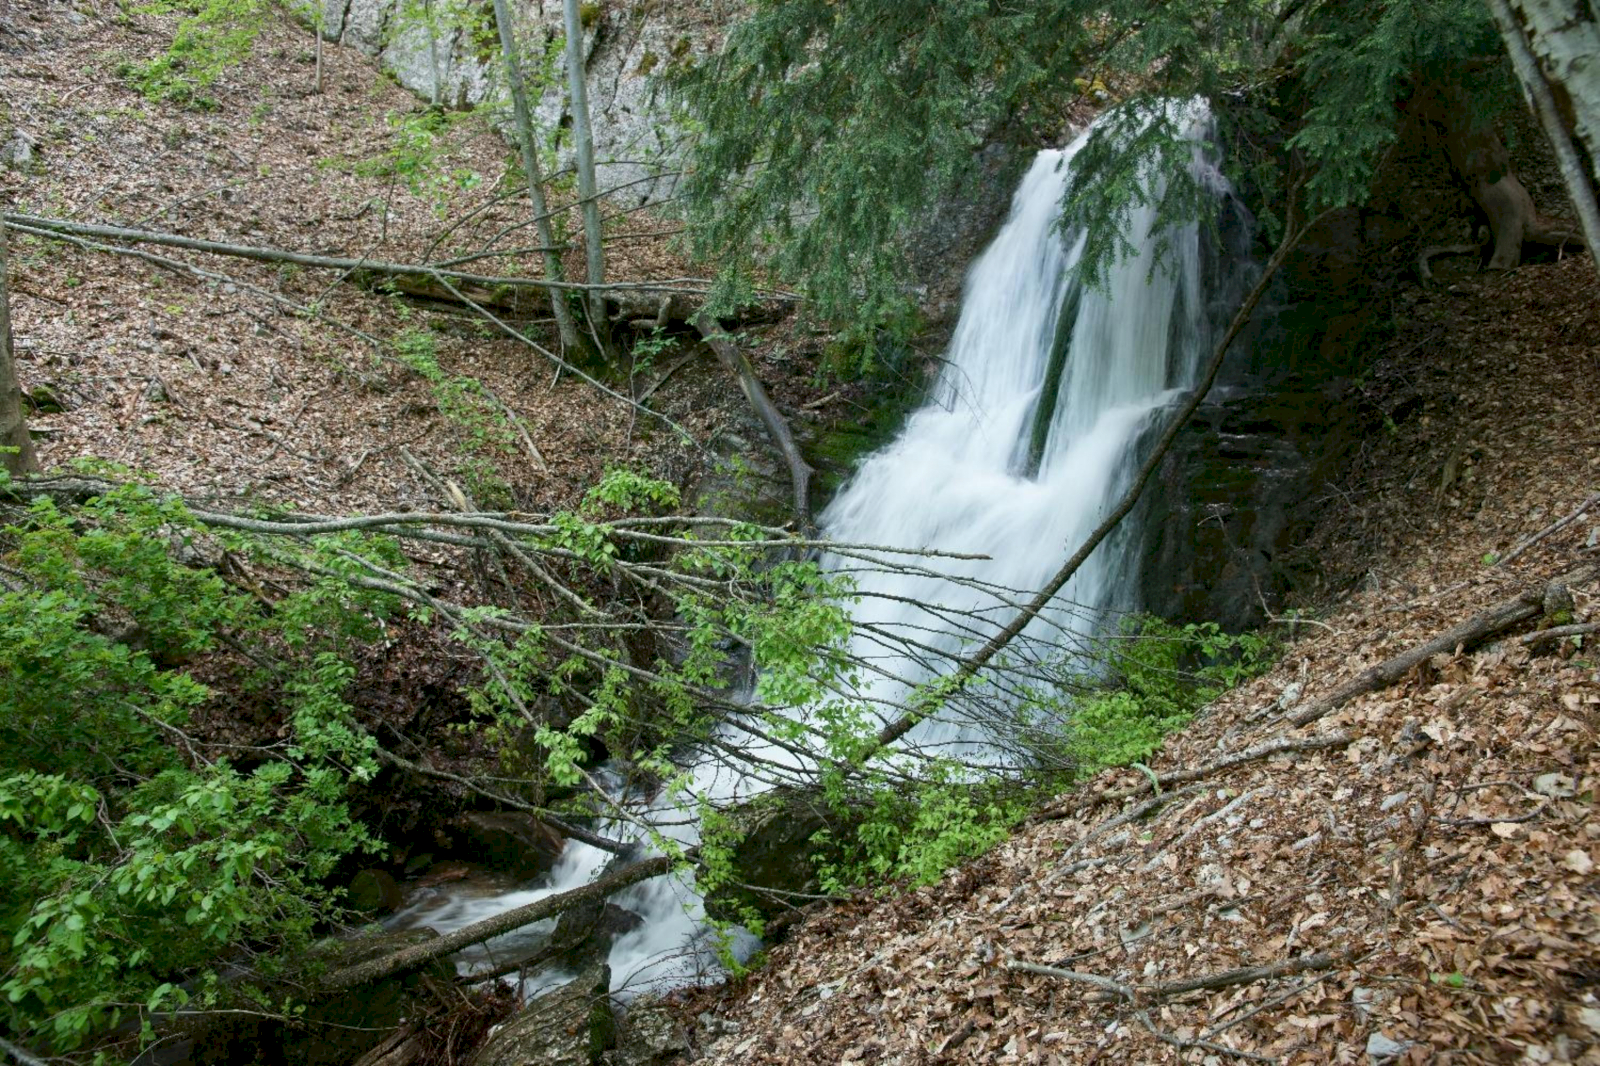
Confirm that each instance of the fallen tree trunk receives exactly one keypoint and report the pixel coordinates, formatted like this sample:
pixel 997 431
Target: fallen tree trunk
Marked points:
pixel 1502 616
pixel 735 361
pixel 419 272
pixel 417 956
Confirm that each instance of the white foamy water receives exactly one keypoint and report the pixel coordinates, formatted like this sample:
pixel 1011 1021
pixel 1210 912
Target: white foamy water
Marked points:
pixel 957 479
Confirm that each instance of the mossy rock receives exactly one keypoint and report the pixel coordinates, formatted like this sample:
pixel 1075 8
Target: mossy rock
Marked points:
pixel 771 839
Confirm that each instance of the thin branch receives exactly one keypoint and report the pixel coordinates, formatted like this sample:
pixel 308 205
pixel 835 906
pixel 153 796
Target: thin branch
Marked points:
pixel 689 286
pixel 1093 980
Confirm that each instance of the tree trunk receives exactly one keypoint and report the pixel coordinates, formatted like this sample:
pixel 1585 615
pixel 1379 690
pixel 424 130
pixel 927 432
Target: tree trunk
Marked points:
pixel 583 136
pixel 1483 166
pixel 1555 50
pixel 417 956
pixel 530 165
pixel 16 447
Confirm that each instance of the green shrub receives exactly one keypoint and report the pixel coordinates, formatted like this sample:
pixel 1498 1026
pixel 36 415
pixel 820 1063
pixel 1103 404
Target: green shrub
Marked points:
pixel 1158 676
pixel 132 856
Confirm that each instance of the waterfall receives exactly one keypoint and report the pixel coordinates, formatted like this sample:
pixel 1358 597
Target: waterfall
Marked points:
pixel 989 466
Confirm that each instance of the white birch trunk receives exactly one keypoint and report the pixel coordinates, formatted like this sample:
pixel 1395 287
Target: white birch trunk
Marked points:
pixel 1555 50
pixel 583 136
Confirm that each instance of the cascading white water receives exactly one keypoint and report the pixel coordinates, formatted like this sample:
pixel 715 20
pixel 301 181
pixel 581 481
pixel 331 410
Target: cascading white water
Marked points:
pixel 960 477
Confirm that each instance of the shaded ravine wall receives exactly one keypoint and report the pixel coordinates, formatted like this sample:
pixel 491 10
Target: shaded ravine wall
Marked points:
pixel 444 51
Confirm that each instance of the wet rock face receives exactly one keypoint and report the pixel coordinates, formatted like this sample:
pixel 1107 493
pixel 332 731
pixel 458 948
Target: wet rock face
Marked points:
pixel 772 850
pixel 1234 497
pixel 512 841
pixel 570 1026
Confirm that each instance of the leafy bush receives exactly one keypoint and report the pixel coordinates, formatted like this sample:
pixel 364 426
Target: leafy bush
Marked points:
pixel 133 857
pixel 1150 689
pixel 1156 676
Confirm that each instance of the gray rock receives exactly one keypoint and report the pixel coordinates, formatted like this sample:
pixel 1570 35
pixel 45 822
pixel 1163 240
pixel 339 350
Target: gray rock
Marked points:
pixel 570 1026
pixel 433 63
pixel 364 22
pixel 333 12
pixel 18 151
pixel 1381 1048
pixel 374 892
pixel 652 1034
pixel 513 841
pixel 585 932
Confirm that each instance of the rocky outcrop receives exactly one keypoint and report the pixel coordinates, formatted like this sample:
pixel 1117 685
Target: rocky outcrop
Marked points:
pixel 1235 496
pixel 450 59
pixel 570 1026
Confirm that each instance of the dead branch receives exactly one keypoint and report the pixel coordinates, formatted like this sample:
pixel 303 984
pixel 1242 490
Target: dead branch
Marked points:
pixel 1093 980
pixel 1200 823
pixel 1245 975
pixel 777 428
pixel 1266 750
pixel 690 286
pixel 1204 1045
pixel 1561 632
pixel 1554 527
pixel 1480 627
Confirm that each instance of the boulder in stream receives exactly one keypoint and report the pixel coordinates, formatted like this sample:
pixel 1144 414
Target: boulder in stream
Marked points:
pixel 513 841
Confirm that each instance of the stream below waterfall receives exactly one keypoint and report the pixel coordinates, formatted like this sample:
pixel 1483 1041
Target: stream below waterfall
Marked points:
pixel 976 470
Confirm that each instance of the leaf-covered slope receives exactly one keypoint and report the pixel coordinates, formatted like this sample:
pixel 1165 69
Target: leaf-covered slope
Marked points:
pixel 1420 879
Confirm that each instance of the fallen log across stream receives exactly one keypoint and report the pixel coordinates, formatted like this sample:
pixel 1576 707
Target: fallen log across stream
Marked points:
pixel 413 958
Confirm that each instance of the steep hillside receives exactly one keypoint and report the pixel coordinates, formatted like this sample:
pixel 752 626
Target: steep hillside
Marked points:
pixel 1406 876
pixel 208 371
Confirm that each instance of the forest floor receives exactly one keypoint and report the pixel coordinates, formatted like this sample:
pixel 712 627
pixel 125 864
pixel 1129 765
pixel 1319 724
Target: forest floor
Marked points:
pixel 216 385
pixel 1420 872
pixel 205 374
pixel 1440 843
